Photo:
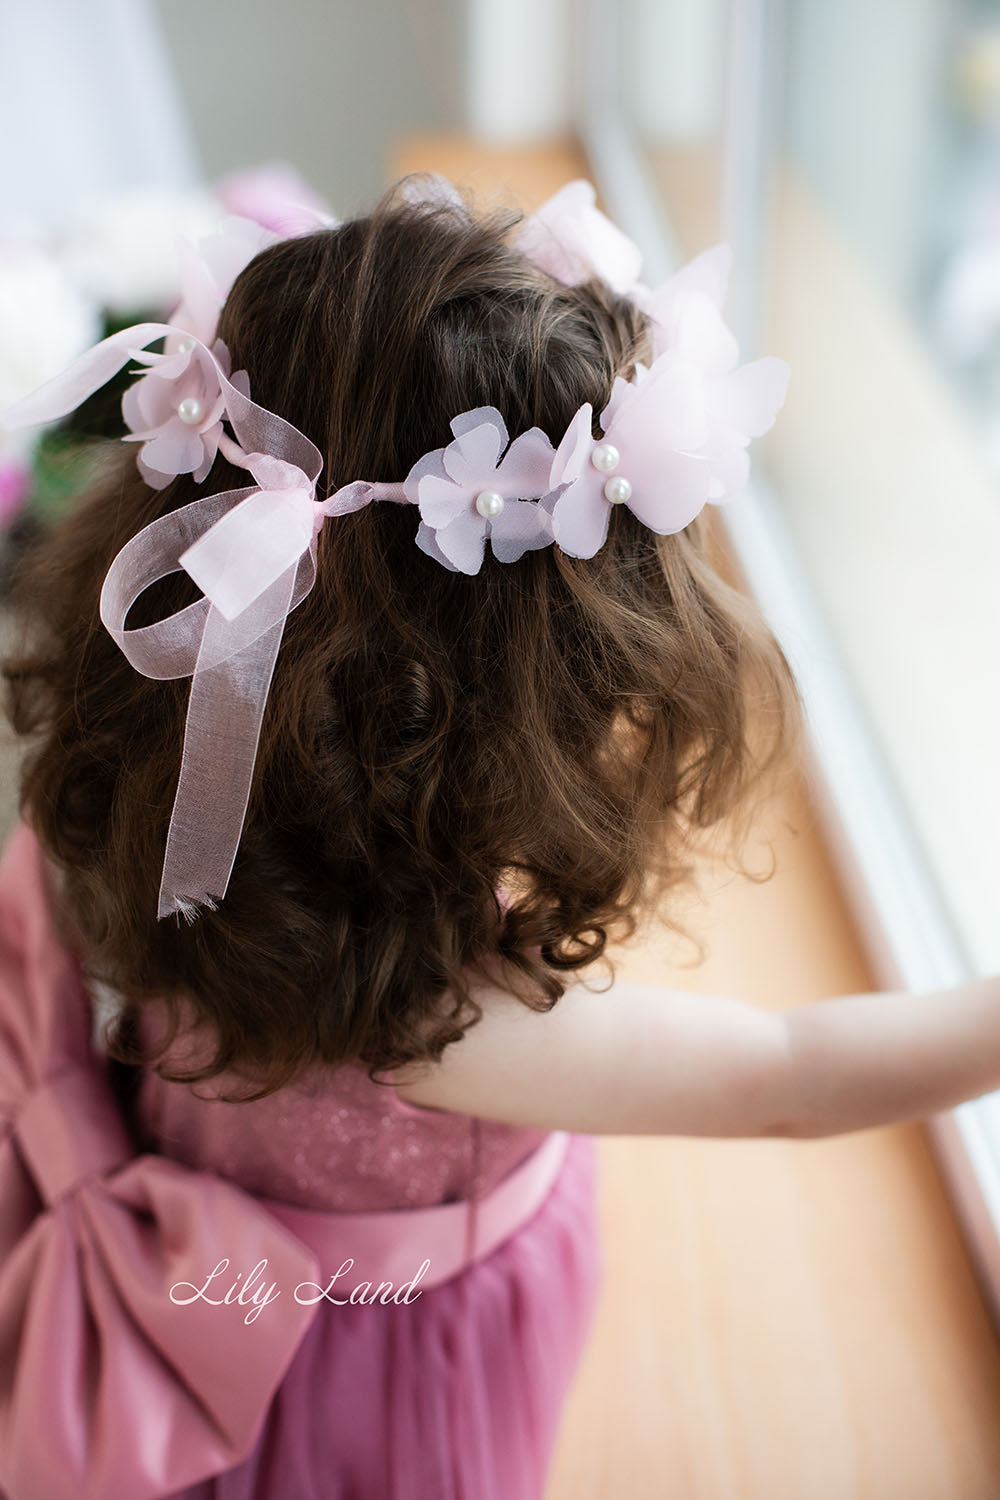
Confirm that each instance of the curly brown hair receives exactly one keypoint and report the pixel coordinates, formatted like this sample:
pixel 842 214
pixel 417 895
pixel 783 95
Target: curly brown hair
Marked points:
pixel 559 726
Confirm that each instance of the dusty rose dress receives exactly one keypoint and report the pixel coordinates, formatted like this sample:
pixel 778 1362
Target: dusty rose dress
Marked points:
pixel 453 1395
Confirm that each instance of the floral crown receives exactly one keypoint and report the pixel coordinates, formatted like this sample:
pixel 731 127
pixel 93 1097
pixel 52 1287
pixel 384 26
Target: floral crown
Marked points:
pixel 673 438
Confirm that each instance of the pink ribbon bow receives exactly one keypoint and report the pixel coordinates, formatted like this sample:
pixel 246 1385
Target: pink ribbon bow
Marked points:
pixel 252 552
pixel 109 1387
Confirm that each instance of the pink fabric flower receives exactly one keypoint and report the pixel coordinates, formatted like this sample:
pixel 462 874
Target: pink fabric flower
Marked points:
pixel 707 274
pixel 656 426
pixel 154 408
pixel 740 402
pixel 572 240
pixel 208 270
pixel 447 483
pixel 152 405
pixel 277 197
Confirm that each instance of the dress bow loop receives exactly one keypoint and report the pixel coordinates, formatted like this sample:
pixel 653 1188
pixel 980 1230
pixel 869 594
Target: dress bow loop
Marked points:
pixel 113 1381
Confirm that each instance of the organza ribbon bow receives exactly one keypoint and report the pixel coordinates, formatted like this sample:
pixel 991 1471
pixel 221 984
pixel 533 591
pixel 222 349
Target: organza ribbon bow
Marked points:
pixel 252 552
pixel 108 1387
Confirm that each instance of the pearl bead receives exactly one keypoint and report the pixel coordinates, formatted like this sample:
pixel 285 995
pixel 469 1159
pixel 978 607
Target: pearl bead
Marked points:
pixel 618 490
pixel 191 411
pixel 605 458
pixel 185 346
pixel 489 503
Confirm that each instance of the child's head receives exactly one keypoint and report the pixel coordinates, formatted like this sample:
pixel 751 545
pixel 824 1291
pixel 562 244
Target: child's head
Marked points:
pixel 560 726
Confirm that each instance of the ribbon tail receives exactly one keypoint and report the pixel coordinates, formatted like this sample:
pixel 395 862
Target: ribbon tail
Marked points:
pixel 64 393
pixel 228 694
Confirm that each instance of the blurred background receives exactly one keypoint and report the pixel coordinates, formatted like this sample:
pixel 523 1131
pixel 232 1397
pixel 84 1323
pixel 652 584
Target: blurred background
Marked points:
pixel 850 152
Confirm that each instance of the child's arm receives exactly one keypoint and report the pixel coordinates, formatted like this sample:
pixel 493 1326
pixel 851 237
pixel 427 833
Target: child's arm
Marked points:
pixel 644 1060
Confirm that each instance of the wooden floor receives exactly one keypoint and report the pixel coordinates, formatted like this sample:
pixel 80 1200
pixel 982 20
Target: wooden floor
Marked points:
pixel 780 1320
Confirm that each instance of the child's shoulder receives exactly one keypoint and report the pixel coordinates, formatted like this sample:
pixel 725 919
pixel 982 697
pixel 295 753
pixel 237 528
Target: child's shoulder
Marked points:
pixel 515 1064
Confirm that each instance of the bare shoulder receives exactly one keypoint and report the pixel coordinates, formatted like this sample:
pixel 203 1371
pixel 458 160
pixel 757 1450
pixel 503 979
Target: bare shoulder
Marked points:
pixel 515 1064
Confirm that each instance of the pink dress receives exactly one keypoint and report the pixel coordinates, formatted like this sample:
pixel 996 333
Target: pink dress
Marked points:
pixel 453 1394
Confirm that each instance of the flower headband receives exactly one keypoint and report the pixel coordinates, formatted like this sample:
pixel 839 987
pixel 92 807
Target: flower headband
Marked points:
pixel 673 438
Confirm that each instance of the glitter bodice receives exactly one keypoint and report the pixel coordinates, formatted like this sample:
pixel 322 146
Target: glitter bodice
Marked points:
pixel 333 1140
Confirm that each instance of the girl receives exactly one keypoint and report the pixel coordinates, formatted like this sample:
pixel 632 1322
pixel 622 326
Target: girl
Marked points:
pixel 346 953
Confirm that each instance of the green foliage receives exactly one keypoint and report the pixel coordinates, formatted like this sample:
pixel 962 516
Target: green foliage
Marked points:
pixel 64 465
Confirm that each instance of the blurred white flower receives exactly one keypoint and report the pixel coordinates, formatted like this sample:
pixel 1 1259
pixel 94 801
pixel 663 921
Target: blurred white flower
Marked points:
pixel 123 253
pixel 45 322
